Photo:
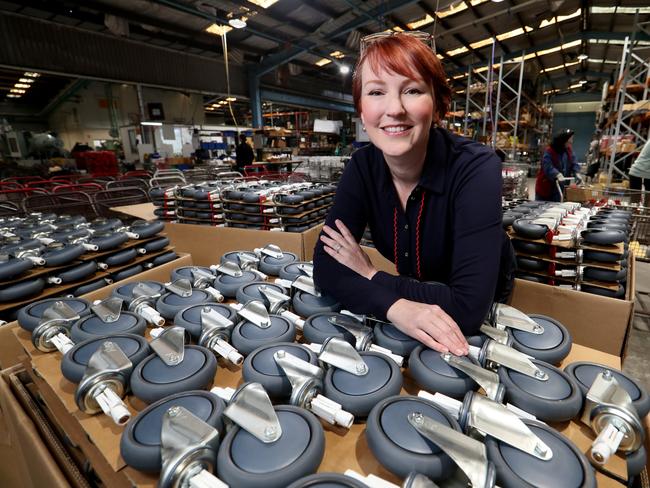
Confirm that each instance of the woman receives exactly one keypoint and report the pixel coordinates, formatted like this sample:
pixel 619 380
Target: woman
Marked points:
pixel 432 201
pixel 558 163
pixel 640 175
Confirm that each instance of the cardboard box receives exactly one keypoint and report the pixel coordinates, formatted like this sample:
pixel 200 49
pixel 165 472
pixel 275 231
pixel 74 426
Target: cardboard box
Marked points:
pixel 208 244
pixel 11 350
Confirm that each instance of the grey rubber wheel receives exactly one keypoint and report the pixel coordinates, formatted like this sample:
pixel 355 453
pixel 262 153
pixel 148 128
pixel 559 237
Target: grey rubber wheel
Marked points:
pixel 568 467
pixel 87 288
pixel 233 256
pixel 92 326
pixel 584 373
pixel 146 229
pixel 260 367
pixel 636 461
pixel 164 258
pixel 108 242
pixel 526 228
pixel 529 247
pixel 128 272
pixel 608 275
pixel 190 317
pixel 125 292
pixel 307 305
pixel 528 277
pixel 30 315
pixel 531 264
pixel 358 394
pixel 603 237
pixel 77 273
pixel 245 462
pixel 246 336
pixel 556 400
pixel 156 244
pixel 121 257
pixel 327 480
pixel 140 443
pixel 14 267
pixel 318 328
pixel 604 292
pixel 292 271
pixel 272 266
pixel 552 346
pixel 228 285
pixel 600 256
pixel 250 291
pixel 170 303
pixel 399 447
pixel 152 379
pixel 390 337
pixel 75 361
pixel 65 255
pixel 433 374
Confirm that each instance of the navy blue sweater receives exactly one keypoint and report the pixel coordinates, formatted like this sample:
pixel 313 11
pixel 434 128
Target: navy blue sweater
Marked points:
pixel 450 233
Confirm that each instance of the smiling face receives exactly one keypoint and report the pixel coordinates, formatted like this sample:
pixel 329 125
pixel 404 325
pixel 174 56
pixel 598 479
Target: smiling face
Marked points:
pixel 397 112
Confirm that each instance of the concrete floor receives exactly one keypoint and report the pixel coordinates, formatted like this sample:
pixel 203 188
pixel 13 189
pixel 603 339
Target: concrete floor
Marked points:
pixel 637 360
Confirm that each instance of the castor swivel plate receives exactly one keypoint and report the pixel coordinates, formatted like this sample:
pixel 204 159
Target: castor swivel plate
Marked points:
pixel 393 339
pixel 170 303
pixel 295 269
pixel 556 399
pixel 125 292
pixel 75 361
pixel 251 291
pixel 399 447
pixel 152 379
pixel 585 373
pixel 272 265
pixel 246 462
pixel 319 327
pixel 30 315
pixel 327 480
pixel 356 393
pixel 140 445
pixel 93 326
pixel 551 346
pixel 568 468
pixel 261 367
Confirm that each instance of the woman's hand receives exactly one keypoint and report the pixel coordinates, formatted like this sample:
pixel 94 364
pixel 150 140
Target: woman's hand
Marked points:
pixel 343 247
pixel 430 325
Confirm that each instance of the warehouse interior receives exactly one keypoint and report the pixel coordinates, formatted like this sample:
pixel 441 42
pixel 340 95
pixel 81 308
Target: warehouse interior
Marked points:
pixel 155 150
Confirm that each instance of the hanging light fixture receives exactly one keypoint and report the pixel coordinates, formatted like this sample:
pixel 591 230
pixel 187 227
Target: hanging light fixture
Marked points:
pixel 237 22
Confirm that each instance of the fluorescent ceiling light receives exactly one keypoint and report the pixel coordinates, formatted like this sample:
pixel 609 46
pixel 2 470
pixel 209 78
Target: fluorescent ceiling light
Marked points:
pixel 458 7
pixel 26 80
pixel 617 42
pixel 620 10
pixel 11 95
pixel 397 28
pixel 263 3
pixel 322 62
pixel 344 69
pixel 416 24
pixel 231 99
pixel 218 29
pixel 601 61
pixel 337 54
pixel 31 74
pixel 22 85
pixel 151 123
pixel 577 85
pixel 17 90
pixel 583 57
pixel 560 66
pixel 237 22
pixel 560 18
pixel 551 92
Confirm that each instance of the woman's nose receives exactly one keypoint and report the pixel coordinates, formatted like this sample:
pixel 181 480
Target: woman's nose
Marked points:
pixel 395 105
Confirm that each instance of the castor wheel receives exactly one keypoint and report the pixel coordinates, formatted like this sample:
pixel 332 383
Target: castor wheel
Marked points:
pixel 517 469
pixel 327 480
pixel 190 317
pixel 268 447
pixel 140 298
pixel 293 270
pixel 273 259
pixel 290 374
pixel 30 315
pixel 59 255
pixel 173 368
pixel 259 328
pixel 393 339
pixel 399 447
pixel 181 294
pixel 258 290
pixel 75 361
pixel 358 380
pixel 143 229
pixel 306 300
pixel 140 444
pixel 245 260
pixel 230 277
pixel 539 336
pixel 545 391
pixel 107 319
pixel 452 375
pixel 585 374
pixel 200 277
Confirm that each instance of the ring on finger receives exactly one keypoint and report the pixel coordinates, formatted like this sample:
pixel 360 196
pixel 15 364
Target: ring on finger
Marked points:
pixel 338 248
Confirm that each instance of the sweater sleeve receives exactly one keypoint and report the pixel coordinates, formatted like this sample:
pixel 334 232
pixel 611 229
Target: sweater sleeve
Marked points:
pixel 475 260
pixel 549 170
pixel 355 292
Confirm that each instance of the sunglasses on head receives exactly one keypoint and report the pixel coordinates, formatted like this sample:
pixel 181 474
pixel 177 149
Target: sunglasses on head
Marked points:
pixel 425 37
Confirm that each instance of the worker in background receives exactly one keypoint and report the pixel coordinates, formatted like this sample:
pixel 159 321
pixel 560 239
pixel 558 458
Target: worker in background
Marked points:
pixel 558 163
pixel 244 154
pixel 431 198
pixel 640 175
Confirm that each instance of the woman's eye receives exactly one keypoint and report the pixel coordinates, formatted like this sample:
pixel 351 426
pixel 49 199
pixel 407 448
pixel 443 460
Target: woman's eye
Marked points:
pixel 413 91
pixel 374 92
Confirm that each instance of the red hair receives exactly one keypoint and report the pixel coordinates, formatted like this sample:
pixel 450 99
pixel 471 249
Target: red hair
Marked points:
pixel 407 56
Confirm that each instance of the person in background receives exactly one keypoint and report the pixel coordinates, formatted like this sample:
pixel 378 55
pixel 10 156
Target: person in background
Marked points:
pixel 558 163
pixel 640 175
pixel 431 199
pixel 244 154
